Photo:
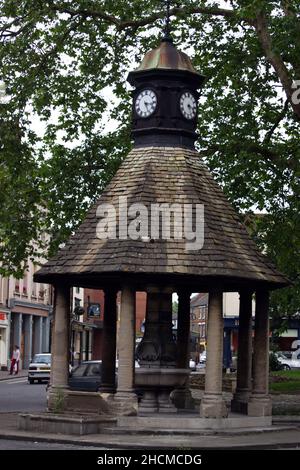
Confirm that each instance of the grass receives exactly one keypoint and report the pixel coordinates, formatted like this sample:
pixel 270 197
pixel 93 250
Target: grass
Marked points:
pixel 285 381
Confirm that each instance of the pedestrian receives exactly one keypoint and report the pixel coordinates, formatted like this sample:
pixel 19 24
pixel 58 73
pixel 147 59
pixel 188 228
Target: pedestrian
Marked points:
pixel 14 366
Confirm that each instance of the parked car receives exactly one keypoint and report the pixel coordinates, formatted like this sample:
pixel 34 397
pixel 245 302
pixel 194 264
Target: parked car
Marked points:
pixel 202 357
pixel 200 365
pixel 289 363
pixel 39 368
pixel 86 377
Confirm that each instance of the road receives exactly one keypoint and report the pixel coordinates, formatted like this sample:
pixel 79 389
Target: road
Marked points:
pixel 17 395
pixel 6 444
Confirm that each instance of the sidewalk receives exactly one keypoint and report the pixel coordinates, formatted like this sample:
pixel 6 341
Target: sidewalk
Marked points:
pixel 282 436
pixel 4 374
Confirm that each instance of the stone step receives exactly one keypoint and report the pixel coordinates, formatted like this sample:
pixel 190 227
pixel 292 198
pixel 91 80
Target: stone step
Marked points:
pixel 120 430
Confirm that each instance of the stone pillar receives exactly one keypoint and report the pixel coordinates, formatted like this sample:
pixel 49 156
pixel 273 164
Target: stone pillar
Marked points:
pixel 38 335
pixel 46 335
pixel 109 341
pixel 182 396
pixel 84 344
pixel 212 404
pixel 183 330
pixel 168 357
pixel 149 350
pixel 126 343
pixel 260 401
pixel 60 335
pixel 90 349
pixel 240 400
pixel 27 341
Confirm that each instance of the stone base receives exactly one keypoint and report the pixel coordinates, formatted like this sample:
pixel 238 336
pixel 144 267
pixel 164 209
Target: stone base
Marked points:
pixel 239 406
pixel 107 389
pixel 164 403
pixel 213 407
pixel 260 406
pixel 239 403
pixel 148 403
pixel 64 423
pixel 125 403
pixel 182 399
pixel 192 422
pixel 56 399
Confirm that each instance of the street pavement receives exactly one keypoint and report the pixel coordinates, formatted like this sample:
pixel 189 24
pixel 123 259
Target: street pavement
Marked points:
pixel 16 394
pixel 6 444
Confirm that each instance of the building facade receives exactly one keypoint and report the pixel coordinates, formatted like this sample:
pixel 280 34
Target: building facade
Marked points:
pixel 25 316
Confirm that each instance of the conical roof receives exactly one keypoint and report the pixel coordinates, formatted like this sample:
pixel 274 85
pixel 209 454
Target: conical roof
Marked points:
pixel 164 175
pixel 167 56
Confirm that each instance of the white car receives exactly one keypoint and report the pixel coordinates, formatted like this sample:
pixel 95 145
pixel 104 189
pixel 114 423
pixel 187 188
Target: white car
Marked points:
pixel 289 363
pixel 192 364
pixel 39 368
pixel 202 358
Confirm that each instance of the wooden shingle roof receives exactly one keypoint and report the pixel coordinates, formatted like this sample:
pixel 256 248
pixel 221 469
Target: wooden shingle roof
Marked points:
pixel 164 175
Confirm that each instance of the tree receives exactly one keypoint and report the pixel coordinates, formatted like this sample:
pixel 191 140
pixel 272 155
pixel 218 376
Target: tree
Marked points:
pixel 59 58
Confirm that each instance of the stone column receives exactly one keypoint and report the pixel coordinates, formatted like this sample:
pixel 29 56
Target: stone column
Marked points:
pixel 27 340
pixel 84 344
pixel 182 396
pixel 60 335
pixel 168 356
pixel 46 334
pixel 240 400
pixel 260 401
pixel 212 404
pixel 126 345
pixel 91 339
pixel 38 335
pixel 109 341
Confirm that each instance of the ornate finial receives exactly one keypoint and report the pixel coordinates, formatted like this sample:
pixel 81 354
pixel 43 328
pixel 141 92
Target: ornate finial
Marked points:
pixel 167 29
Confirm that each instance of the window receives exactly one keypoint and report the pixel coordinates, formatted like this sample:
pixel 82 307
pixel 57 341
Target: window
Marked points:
pixel 93 369
pixel 202 312
pixel 79 371
pixel 77 290
pixel 17 285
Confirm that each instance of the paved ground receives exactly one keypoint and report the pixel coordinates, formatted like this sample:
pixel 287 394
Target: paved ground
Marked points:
pixel 282 438
pixel 4 375
pixel 6 444
pixel 18 395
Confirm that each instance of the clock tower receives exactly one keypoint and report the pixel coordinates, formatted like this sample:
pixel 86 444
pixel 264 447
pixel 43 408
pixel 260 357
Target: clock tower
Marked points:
pixel 165 98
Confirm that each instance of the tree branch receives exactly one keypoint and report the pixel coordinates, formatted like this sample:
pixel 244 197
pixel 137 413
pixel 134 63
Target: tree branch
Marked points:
pixel 275 60
pixel 256 148
pixel 280 117
pixel 121 25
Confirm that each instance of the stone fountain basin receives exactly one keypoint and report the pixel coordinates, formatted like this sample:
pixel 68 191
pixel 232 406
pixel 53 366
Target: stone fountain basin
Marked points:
pixel 161 377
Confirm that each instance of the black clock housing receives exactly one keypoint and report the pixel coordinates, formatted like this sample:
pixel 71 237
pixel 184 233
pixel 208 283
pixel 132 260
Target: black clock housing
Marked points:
pixel 166 125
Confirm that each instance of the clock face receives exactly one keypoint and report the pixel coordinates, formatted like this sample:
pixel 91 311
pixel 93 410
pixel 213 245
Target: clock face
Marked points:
pixel 188 105
pixel 145 103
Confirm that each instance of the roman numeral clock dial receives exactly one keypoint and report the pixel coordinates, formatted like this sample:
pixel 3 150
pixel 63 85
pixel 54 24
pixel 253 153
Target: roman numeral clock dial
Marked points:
pixel 145 103
pixel 188 105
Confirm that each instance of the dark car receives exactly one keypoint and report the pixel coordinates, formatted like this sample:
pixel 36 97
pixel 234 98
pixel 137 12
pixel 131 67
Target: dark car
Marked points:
pixel 86 377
